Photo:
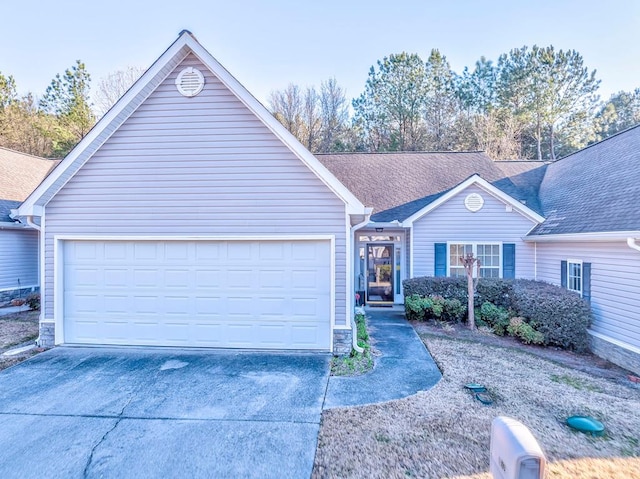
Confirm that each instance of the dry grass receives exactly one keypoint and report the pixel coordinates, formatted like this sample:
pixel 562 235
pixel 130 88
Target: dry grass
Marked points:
pixel 16 329
pixel 444 432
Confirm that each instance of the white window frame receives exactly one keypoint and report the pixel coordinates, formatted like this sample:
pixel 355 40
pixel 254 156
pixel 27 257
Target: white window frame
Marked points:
pixel 577 262
pixel 474 246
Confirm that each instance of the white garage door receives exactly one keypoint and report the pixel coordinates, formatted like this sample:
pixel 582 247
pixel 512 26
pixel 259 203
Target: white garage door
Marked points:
pixel 227 294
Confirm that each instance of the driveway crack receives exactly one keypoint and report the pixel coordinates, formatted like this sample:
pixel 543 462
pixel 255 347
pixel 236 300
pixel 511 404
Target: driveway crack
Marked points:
pixel 104 437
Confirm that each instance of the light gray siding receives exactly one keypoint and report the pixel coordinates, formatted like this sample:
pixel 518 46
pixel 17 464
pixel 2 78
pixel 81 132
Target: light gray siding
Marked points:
pixel 615 283
pixel 452 222
pixel 196 166
pixel 19 259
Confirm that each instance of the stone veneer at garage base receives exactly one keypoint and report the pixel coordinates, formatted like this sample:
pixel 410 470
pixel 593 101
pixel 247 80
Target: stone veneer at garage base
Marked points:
pixel 616 354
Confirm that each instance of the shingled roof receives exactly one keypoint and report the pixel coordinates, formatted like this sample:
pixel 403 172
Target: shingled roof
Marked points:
pixel 20 174
pixel 397 185
pixel 595 189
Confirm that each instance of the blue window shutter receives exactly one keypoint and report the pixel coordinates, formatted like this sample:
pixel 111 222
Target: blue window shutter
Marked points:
pixel 563 274
pixel 509 260
pixel 586 281
pixel 440 250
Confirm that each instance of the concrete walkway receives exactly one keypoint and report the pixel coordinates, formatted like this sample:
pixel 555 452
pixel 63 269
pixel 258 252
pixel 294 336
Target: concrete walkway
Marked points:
pixel 404 367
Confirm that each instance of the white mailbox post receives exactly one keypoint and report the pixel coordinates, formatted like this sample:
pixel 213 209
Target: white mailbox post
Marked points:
pixel 515 453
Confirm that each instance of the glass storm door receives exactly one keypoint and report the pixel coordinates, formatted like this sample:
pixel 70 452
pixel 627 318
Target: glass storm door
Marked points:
pixel 380 273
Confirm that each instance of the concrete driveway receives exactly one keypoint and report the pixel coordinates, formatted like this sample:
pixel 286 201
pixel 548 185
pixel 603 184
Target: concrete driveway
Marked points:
pixel 82 412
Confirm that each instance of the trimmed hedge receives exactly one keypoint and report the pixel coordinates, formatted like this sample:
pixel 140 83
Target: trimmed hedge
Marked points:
pixel 494 290
pixel 561 316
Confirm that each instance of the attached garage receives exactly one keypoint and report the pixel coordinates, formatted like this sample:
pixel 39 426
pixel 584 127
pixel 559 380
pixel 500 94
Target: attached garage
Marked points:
pixel 254 294
pixel 190 217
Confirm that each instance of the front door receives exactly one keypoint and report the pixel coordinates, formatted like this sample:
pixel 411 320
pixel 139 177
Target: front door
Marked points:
pixel 380 273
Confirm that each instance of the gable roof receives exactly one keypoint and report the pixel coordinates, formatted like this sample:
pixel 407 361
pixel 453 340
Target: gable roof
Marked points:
pixel 397 185
pixel 20 174
pixel 486 186
pixel 135 96
pixel 595 189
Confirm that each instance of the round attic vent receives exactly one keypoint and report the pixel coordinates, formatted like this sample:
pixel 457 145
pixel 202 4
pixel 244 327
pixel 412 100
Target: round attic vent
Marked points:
pixel 474 202
pixel 190 82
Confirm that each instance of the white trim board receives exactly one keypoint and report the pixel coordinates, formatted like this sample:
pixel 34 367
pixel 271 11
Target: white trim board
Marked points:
pixel 133 98
pixel 486 186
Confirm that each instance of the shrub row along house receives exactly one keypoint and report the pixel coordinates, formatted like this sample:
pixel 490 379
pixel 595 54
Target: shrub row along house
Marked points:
pixel 190 217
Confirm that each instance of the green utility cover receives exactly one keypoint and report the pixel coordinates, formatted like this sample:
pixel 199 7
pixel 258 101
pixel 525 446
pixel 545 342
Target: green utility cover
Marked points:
pixel 586 424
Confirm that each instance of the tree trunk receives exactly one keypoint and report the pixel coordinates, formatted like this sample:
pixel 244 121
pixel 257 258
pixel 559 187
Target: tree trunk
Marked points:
pixel 552 142
pixel 470 302
pixel 539 140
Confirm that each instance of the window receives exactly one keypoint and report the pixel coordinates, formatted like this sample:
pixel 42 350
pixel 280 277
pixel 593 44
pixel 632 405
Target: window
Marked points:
pixel 574 276
pixel 489 255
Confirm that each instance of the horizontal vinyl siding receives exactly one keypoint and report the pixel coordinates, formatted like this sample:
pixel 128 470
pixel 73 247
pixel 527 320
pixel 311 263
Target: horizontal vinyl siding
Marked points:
pixel 19 258
pixel 196 166
pixel 615 283
pixel 451 221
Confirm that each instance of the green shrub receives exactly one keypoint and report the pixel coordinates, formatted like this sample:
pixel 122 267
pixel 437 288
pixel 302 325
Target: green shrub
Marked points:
pixel 450 288
pixel 33 301
pixel 433 307
pixel 495 290
pixel 519 328
pixel 437 307
pixel 454 310
pixel 414 307
pixel 495 316
pixel 562 316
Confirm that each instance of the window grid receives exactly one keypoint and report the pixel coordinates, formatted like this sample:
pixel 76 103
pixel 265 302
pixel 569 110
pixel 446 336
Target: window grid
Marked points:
pixel 488 254
pixel 574 277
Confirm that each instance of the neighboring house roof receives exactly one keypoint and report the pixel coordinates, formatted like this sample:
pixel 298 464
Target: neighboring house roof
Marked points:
pixel 133 98
pixel 595 189
pixel 20 174
pixel 397 185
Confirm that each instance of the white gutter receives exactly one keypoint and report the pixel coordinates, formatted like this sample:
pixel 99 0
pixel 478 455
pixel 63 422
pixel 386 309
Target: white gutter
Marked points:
pixel 598 236
pixel 631 243
pixel 5 225
pixel 354 328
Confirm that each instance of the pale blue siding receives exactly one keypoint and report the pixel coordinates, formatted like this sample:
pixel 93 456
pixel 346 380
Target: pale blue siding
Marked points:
pixel 615 283
pixel 19 253
pixel 452 222
pixel 196 166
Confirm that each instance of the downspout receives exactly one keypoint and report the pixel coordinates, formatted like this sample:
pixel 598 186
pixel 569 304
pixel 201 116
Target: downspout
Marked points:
pixel 40 253
pixel 631 243
pixel 354 328
pixel 32 224
pixel 535 261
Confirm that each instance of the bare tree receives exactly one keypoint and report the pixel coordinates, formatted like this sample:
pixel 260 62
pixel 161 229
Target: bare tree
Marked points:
pixel 335 114
pixel 286 105
pixel 311 120
pixel 113 86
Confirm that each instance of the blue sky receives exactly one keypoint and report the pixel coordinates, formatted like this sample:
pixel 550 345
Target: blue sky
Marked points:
pixel 267 44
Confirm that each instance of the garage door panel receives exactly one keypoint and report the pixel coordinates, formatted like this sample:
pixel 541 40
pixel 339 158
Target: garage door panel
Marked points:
pixel 246 294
